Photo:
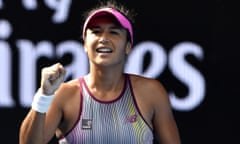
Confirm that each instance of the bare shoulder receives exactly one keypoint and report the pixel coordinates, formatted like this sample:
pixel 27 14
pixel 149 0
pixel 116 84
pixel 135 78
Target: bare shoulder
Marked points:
pixel 71 84
pixel 141 83
pixel 150 91
pixel 68 87
pixel 67 91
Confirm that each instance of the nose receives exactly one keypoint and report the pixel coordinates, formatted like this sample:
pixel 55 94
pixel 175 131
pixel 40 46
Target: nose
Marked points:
pixel 104 41
pixel 104 37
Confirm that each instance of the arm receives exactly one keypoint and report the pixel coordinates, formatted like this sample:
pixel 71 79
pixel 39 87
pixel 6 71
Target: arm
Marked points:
pixel 163 120
pixel 39 127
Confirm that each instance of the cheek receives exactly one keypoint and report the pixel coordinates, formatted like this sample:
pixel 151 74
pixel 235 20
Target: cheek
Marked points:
pixel 85 49
pixel 89 42
pixel 90 36
pixel 85 46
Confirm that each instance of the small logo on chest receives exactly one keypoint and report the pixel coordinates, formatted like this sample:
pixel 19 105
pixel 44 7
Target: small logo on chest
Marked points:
pixel 131 118
pixel 86 123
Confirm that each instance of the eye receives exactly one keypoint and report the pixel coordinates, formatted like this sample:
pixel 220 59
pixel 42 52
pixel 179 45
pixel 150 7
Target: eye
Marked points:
pixel 114 32
pixel 95 31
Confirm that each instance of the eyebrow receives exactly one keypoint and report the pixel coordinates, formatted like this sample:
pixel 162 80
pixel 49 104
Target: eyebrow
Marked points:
pixel 111 27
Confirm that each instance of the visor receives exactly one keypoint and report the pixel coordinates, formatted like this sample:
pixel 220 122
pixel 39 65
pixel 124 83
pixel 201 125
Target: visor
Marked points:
pixel 123 21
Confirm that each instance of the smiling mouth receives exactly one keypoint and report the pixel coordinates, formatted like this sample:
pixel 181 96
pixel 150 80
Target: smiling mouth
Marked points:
pixel 104 50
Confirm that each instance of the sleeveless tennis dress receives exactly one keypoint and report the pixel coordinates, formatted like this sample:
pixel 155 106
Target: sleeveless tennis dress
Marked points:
pixel 109 122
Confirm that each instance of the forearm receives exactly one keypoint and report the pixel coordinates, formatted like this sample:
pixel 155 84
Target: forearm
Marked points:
pixel 32 128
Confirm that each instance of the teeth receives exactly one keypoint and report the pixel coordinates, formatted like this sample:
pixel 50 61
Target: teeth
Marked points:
pixel 104 50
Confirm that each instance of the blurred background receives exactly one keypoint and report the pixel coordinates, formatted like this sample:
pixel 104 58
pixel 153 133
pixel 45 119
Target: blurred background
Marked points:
pixel 192 47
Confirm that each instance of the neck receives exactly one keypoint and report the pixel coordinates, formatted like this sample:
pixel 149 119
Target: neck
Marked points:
pixel 105 80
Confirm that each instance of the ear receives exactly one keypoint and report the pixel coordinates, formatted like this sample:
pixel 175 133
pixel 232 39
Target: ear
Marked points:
pixel 128 48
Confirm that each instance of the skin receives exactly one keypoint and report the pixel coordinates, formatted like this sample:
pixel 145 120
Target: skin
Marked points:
pixel 105 80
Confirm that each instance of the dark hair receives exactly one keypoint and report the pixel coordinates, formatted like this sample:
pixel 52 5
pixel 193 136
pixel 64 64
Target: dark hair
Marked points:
pixel 128 13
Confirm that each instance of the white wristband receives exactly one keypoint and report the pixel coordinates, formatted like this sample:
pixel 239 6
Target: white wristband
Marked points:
pixel 41 102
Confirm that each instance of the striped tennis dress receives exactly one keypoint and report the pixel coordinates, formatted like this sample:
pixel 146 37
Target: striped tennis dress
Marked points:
pixel 109 122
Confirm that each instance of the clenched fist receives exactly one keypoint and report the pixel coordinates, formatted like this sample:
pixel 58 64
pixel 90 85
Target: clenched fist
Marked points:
pixel 51 79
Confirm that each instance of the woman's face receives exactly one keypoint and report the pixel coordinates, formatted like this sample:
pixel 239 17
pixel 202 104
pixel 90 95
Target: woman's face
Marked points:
pixel 106 41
